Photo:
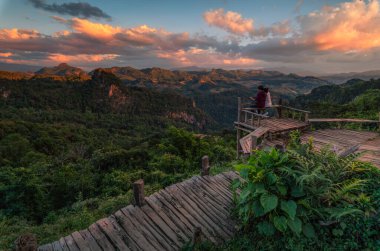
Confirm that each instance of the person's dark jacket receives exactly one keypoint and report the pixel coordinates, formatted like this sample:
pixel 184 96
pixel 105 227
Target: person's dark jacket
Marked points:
pixel 260 99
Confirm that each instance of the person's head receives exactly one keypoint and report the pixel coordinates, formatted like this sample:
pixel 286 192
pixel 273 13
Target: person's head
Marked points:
pixel 266 90
pixel 260 87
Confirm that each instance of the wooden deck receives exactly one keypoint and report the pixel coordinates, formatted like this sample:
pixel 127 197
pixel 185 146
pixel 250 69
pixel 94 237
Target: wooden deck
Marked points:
pixel 340 139
pixel 166 222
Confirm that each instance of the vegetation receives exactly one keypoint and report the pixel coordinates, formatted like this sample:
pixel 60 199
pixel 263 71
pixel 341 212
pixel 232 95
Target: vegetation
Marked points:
pixel 69 152
pixel 303 200
pixel 354 99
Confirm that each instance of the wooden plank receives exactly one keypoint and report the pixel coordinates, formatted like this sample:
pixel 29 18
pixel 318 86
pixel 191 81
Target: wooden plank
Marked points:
pixel 63 244
pixel 81 243
pixel 170 212
pixel 100 237
pixel 194 210
pixel 90 240
pixel 177 236
pixel 46 247
pixel 182 233
pixel 246 141
pixel 114 233
pixel 198 196
pixel 141 239
pixel 56 246
pixel 319 120
pixel 71 243
pixel 216 214
pixel 137 215
pixel 189 214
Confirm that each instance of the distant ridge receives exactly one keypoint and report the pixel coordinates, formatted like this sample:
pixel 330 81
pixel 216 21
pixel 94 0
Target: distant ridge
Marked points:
pixel 341 78
pixel 63 70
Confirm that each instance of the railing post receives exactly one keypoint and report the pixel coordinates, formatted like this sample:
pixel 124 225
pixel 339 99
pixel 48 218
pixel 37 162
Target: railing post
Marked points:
pixel 205 166
pixel 238 132
pixel 253 144
pixel 379 122
pixel 239 109
pixel 307 117
pixel 279 109
pixel 138 193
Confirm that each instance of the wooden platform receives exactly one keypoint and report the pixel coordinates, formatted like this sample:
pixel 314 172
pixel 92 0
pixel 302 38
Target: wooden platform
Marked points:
pixel 274 125
pixel 166 222
pixel 339 140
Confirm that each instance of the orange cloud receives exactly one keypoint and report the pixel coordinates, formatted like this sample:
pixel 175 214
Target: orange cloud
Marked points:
pixel 201 57
pixel 231 21
pixel 352 26
pixel 234 23
pixel 18 34
pixel 81 57
pixel 6 54
pixel 96 30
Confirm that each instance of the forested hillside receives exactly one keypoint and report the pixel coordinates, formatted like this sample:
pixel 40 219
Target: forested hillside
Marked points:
pixel 214 91
pixel 355 98
pixel 69 151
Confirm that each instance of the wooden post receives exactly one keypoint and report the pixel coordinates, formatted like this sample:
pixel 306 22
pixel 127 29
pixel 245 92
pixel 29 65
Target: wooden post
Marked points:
pixel 280 147
pixel 205 166
pixel 279 109
pixel 253 144
pixel 238 147
pixel 138 193
pixel 238 132
pixel 26 242
pixel 379 122
pixel 197 236
pixel 307 117
pixel 239 108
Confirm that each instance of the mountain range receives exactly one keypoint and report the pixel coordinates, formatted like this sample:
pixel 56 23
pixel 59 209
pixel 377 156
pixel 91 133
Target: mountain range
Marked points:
pixel 344 77
pixel 214 91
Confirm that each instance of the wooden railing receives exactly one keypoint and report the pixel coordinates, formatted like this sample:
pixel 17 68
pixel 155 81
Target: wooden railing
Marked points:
pixel 249 115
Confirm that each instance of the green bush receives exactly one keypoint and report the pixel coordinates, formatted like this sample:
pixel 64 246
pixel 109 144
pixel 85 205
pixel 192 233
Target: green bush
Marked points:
pixel 302 198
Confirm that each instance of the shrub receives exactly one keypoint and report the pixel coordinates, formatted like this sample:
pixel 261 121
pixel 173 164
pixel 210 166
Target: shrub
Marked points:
pixel 331 201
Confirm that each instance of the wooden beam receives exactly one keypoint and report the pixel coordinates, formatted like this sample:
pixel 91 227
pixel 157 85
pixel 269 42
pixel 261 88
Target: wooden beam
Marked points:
pixel 205 166
pixel 138 193
pixel 348 151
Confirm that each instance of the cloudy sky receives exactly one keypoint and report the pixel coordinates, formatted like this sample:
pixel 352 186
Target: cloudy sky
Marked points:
pixel 321 36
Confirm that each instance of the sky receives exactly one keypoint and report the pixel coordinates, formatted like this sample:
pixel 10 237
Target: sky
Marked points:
pixel 316 36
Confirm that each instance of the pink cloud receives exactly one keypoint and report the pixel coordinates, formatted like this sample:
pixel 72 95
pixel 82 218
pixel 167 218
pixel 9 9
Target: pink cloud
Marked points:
pixel 230 21
pixel 351 26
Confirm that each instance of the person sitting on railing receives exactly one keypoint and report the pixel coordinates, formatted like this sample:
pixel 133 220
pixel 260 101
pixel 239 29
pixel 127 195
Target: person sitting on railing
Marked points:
pixel 259 101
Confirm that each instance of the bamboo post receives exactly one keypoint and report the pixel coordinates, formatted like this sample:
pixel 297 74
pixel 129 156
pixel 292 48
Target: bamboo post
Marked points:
pixel 280 147
pixel 253 144
pixel 279 109
pixel 138 193
pixel 238 132
pixel 239 108
pixel 205 166
pixel 197 236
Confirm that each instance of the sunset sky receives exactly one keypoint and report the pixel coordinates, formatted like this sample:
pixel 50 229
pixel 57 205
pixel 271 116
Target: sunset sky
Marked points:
pixel 311 35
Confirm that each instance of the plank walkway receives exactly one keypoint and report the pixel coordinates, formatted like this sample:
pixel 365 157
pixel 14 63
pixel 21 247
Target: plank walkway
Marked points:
pixel 166 222
pixel 274 125
pixel 340 140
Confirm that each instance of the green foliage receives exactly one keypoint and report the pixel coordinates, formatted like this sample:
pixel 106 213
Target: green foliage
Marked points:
pixel 303 198
pixel 67 150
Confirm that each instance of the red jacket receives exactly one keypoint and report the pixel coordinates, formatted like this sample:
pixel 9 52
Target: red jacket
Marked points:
pixel 260 99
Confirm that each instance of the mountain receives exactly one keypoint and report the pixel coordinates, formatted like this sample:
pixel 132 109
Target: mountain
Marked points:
pixel 63 70
pixel 355 98
pixel 104 94
pixel 344 77
pixel 216 91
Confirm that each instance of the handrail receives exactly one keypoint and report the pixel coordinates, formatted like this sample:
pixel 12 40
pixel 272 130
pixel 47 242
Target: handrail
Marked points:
pixel 256 114
pixel 321 120
pixel 294 109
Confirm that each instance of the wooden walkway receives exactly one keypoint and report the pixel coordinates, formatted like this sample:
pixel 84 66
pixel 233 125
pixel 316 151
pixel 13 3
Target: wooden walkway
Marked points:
pixel 166 222
pixel 340 140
